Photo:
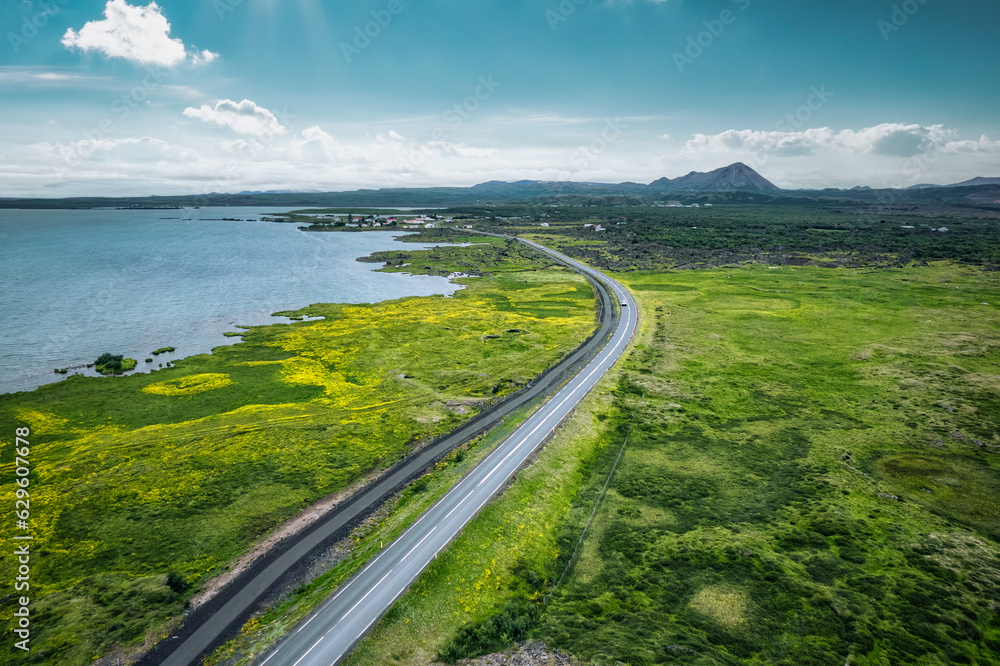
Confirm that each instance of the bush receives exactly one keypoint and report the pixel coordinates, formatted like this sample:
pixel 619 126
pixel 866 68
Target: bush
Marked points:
pixel 176 582
pixel 493 634
pixel 111 364
pixel 108 363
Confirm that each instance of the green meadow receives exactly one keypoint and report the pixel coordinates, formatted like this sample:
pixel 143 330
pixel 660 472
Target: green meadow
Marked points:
pixel 146 487
pixel 811 475
pixel 808 475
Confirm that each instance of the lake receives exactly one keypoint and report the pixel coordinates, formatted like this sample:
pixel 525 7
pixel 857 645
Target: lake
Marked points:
pixel 78 283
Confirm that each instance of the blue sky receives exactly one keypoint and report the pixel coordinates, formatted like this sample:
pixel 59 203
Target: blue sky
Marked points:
pixel 120 97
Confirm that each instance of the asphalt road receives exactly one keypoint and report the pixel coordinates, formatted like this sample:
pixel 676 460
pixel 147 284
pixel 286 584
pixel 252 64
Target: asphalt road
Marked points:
pixel 326 636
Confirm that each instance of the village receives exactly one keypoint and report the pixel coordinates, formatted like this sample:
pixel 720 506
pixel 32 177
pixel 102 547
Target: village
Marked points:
pixel 376 221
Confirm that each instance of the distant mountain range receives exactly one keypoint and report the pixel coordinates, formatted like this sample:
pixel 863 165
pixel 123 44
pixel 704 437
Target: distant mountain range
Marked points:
pixel 978 181
pixel 733 178
pixel 736 183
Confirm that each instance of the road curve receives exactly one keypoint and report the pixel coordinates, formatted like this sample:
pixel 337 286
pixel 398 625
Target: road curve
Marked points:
pixel 221 618
pixel 332 630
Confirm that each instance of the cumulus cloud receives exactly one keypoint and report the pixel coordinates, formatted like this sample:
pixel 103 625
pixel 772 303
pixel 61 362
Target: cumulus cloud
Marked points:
pixel 984 145
pixel 203 57
pixel 888 140
pixel 242 117
pixel 886 155
pixel 138 34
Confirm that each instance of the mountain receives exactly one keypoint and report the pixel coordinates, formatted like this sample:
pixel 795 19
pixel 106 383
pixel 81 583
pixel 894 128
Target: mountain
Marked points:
pixel 735 184
pixel 978 181
pixel 735 177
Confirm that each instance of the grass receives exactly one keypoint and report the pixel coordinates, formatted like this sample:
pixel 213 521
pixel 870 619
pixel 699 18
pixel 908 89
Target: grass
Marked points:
pixel 167 477
pixel 802 482
pixel 260 633
pixel 809 478
pixel 508 553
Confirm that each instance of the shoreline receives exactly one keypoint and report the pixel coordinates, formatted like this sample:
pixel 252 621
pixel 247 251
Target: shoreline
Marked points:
pixel 235 444
pixel 47 372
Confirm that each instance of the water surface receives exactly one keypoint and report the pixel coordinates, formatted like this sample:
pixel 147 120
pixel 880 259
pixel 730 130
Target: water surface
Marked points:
pixel 76 284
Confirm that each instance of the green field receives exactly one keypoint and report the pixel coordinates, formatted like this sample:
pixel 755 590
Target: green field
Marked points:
pixel 829 234
pixel 810 477
pixel 808 470
pixel 145 487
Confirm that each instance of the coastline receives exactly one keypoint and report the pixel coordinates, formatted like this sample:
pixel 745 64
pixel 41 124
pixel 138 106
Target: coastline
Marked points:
pixel 233 444
pixel 144 305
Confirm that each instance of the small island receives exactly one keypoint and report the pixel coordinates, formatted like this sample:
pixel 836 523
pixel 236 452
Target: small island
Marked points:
pixel 110 364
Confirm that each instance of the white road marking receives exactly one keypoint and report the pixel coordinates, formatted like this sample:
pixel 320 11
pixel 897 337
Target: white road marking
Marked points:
pixel 307 652
pixel 361 599
pixel 618 342
pixel 417 546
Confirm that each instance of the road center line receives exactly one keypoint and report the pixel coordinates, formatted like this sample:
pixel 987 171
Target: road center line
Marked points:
pixel 360 600
pixel 571 391
pixel 417 546
pixel 308 651
pixel 460 503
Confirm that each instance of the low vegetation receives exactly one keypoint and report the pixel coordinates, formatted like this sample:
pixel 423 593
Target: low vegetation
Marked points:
pixel 828 234
pixel 497 572
pixel 809 476
pixel 111 364
pixel 147 486
pixel 797 464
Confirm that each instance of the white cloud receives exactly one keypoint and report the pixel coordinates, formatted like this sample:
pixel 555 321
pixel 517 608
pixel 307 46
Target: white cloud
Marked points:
pixel 984 145
pixel 36 77
pixel 886 155
pixel 138 34
pixel 243 118
pixel 261 154
pixel 203 58
pixel 104 151
pixel 888 140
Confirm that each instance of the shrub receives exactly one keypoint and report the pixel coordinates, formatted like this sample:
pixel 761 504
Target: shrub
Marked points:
pixel 111 364
pixel 176 582
pixel 495 633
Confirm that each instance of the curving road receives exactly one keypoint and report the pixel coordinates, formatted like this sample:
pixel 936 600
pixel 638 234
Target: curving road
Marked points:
pixel 221 618
pixel 326 636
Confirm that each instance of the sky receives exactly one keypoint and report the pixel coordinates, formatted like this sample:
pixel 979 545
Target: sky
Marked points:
pixel 118 97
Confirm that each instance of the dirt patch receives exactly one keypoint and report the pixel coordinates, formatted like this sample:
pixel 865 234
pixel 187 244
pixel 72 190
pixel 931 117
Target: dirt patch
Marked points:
pixel 533 653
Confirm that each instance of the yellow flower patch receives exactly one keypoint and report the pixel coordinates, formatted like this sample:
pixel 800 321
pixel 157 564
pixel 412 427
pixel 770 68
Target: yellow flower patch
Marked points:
pixel 190 385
